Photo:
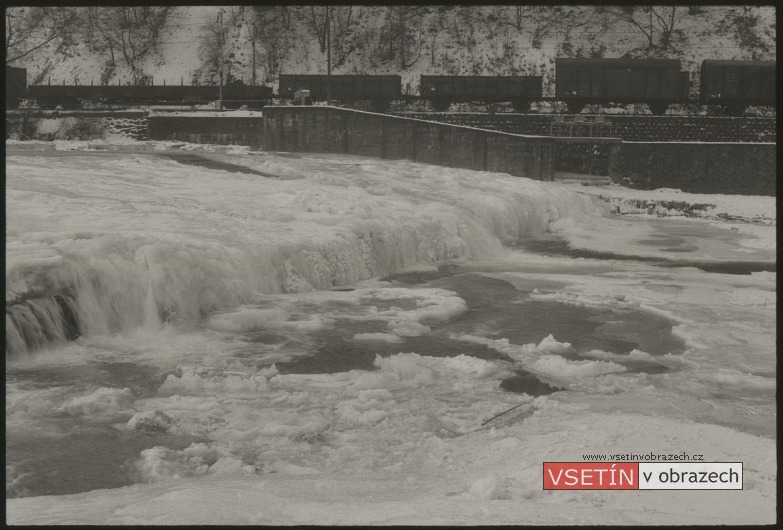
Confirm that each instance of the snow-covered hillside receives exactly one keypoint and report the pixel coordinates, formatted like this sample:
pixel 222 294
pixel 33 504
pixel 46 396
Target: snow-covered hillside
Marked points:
pixel 467 40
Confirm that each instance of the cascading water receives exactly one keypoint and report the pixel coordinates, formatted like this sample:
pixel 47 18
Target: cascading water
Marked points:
pixel 111 281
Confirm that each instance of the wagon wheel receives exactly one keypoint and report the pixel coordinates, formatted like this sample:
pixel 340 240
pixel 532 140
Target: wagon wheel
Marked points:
pixel 380 105
pixel 521 105
pixel 659 109
pixel 441 104
pixel 575 106
pixel 734 109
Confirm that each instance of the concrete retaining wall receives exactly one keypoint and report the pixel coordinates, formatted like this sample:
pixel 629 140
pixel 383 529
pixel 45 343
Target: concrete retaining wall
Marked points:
pixel 336 130
pixel 745 169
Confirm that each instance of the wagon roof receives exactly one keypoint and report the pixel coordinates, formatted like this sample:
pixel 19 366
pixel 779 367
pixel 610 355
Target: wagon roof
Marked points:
pixel 340 75
pixel 483 76
pixel 621 63
pixel 714 62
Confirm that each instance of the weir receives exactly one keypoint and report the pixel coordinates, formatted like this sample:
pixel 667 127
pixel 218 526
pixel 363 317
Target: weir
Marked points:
pixel 171 254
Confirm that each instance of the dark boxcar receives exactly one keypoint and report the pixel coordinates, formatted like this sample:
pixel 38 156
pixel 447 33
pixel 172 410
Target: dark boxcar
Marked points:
pixel 15 85
pixel 483 88
pixel 66 96
pixel 70 96
pixel 657 82
pixel 345 88
pixel 737 83
pixel 235 96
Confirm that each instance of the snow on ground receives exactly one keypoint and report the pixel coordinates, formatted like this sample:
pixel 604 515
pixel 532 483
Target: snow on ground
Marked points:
pixel 760 209
pixel 201 279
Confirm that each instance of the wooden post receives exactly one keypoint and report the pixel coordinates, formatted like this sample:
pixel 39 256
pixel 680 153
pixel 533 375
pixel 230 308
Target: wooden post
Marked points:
pixel 220 41
pixel 253 41
pixel 328 59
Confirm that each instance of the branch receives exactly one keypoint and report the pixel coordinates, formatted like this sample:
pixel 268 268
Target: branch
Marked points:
pixel 660 19
pixel 31 50
pixel 631 20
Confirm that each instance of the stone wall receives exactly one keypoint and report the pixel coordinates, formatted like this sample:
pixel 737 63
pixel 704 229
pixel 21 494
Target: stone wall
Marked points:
pixel 631 128
pixel 744 169
pixel 221 130
pixel 74 125
pixel 336 130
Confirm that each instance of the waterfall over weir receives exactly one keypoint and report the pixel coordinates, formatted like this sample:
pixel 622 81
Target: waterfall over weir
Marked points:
pixel 140 242
pixel 100 292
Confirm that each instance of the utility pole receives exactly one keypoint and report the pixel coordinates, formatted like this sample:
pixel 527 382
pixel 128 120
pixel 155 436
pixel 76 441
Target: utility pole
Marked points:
pixel 328 58
pixel 220 50
pixel 253 82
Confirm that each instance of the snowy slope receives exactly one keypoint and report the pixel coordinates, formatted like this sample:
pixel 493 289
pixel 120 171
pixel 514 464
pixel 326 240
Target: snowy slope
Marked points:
pixel 464 40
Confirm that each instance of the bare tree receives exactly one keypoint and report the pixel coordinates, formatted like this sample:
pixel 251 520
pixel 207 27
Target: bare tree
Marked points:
pixel 402 35
pixel 649 20
pixel 640 17
pixel 340 18
pixel 29 29
pixel 549 19
pixel 131 32
pixel 668 17
pixel 274 25
pixel 341 32
pixel 316 21
pixel 521 13
pixel 217 47
pixel 750 30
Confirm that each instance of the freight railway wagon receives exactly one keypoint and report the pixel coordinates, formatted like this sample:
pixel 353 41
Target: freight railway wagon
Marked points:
pixel 656 82
pixel 15 85
pixel 736 84
pixel 728 85
pixel 442 90
pixel 381 90
pixel 71 96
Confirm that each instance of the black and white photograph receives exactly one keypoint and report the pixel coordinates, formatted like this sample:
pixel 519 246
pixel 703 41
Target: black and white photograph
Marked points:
pixel 441 265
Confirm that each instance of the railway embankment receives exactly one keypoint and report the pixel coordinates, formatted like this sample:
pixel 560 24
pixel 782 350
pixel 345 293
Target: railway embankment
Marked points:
pixel 628 127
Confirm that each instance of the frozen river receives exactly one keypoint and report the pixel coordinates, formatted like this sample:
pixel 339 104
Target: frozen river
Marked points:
pixel 212 335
